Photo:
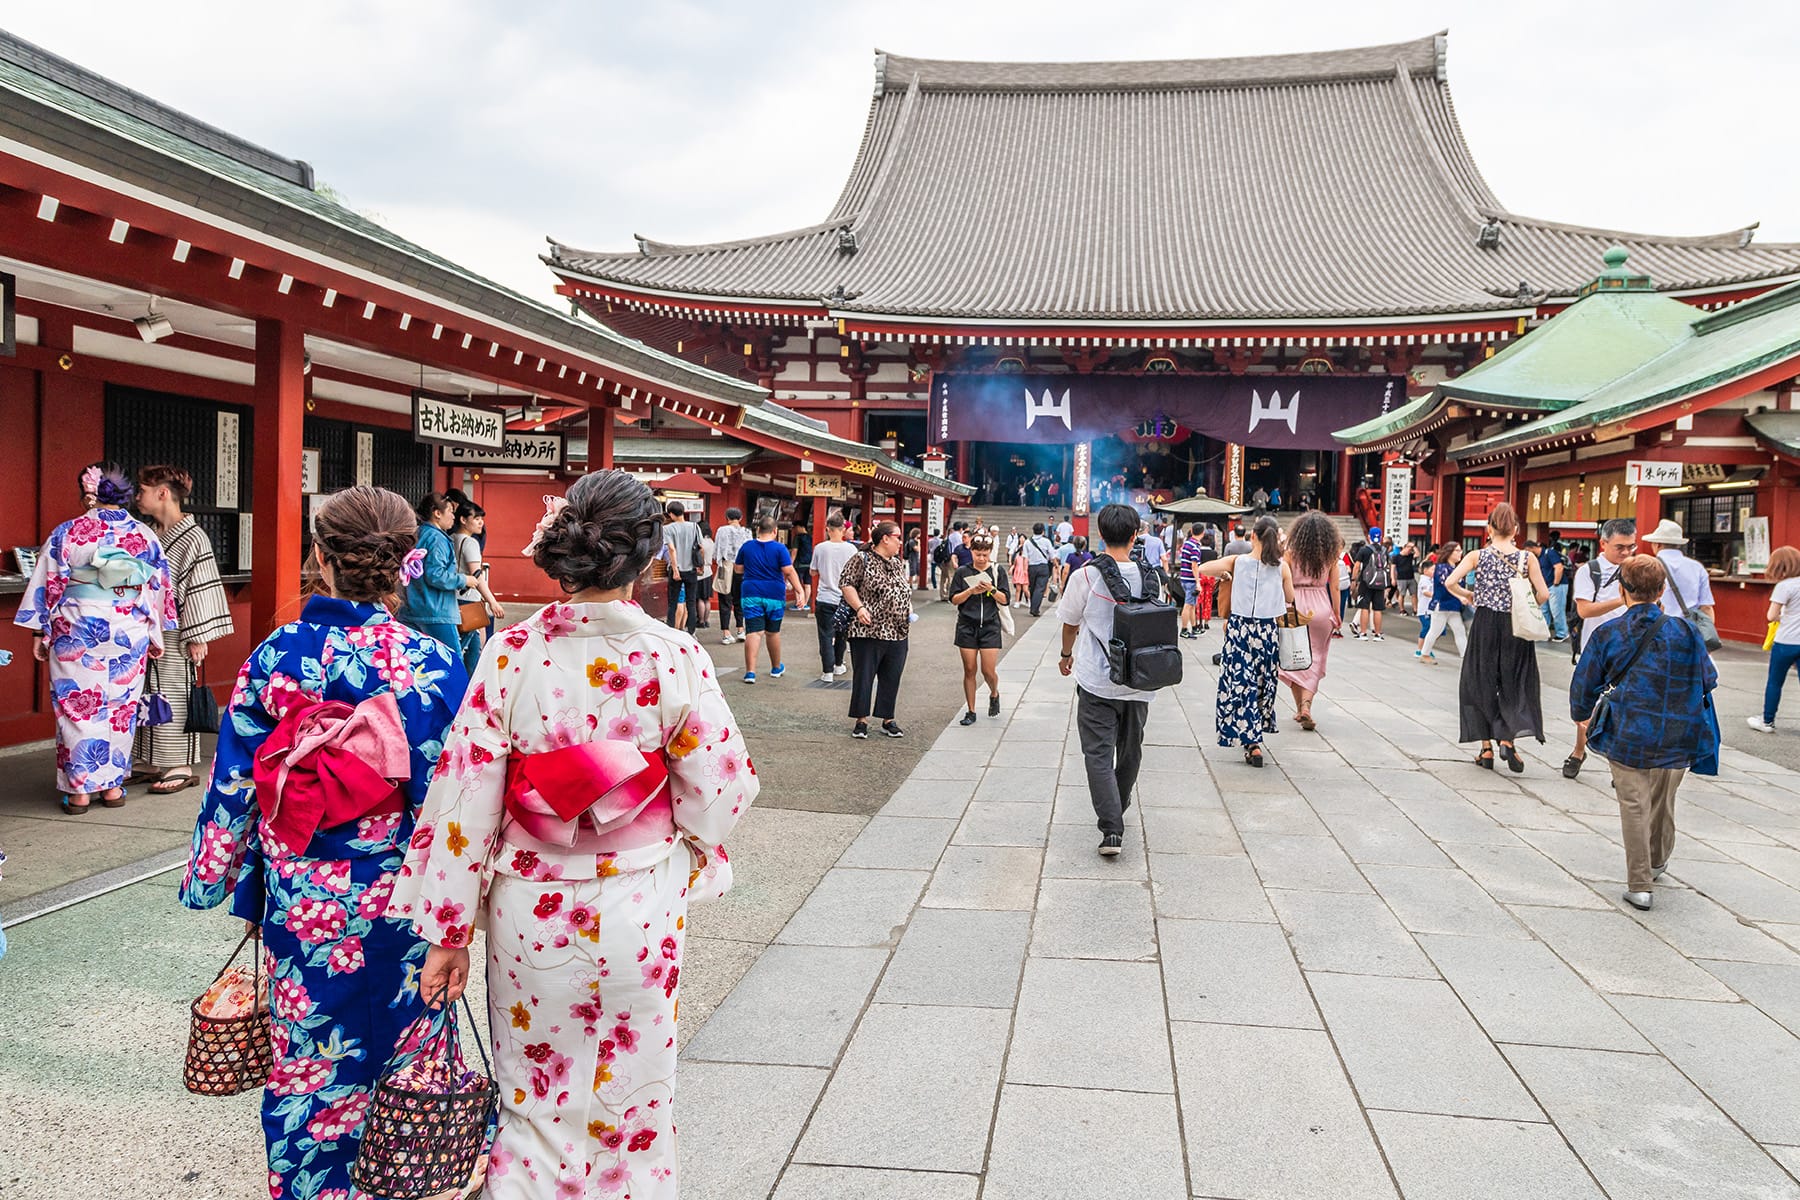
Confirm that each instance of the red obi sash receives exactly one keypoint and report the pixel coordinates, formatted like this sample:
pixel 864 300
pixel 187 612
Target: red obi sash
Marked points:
pixel 570 799
pixel 326 763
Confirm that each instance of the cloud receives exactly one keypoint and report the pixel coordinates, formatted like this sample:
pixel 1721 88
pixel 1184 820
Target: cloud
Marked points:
pixel 478 127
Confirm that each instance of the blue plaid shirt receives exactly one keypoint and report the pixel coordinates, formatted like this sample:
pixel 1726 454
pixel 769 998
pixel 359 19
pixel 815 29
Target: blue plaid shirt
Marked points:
pixel 1662 713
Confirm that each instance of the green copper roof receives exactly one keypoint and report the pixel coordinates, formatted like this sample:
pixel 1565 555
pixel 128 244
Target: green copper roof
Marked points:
pixel 1777 430
pixel 1393 424
pixel 1714 349
pixel 1588 344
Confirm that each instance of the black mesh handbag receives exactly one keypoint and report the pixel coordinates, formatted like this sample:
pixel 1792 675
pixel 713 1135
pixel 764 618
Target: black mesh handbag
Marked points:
pixel 424 1136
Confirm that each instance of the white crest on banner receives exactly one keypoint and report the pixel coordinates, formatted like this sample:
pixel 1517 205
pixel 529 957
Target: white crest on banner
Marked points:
pixel 1275 410
pixel 1049 407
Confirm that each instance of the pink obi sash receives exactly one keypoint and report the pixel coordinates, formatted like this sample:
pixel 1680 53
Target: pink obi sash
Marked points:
pixel 577 798
pixel 326 764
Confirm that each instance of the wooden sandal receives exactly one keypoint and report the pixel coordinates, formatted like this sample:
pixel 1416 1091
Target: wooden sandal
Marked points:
pixel 182 783
pixel 112 798
pixel 71 809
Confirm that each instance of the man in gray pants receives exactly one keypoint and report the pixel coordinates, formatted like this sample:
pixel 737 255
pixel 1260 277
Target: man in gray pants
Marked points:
pixel 1040 555
pixel 1109 717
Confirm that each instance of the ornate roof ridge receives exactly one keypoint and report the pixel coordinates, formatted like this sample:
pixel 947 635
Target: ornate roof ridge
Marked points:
pixel 1421 56
pixel 1737 238
pixel 563 254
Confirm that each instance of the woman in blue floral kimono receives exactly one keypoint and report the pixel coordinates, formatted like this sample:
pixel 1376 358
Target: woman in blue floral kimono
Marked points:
pixel 98 603
pixel 333 731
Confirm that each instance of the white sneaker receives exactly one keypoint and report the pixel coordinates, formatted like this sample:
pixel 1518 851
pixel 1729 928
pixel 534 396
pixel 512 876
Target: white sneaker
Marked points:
pixel 1758 724
pixel 727 640
pixel 841 669
pixel 827 677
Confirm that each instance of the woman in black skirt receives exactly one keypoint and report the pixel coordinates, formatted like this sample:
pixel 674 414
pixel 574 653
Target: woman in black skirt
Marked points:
pixel 979 592
pixel 1500 697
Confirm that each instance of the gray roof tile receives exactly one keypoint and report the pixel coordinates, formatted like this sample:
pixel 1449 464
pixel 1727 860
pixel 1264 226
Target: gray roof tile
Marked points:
pixel 1324 185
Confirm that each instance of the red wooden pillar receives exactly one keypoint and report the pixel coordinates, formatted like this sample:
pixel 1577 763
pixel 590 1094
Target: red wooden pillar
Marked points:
pixel 1649 512
pixel 819 506
pixel 1346 483
pixel 868 510
pixel 280 408
pixel 600 438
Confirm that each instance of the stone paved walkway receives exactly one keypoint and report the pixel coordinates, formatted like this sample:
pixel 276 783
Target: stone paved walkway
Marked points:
pixel 1368 970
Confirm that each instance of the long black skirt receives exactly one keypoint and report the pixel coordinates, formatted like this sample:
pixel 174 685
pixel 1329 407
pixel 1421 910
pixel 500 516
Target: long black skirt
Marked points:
pixel 1501 698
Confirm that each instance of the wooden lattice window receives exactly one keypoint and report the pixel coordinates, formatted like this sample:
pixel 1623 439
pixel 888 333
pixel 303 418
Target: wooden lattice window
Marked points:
pixel 145 428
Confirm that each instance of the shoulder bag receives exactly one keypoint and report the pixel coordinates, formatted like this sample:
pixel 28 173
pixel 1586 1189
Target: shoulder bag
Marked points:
pixel 1709 632
pixel 1601 717
pixel 1528 622
pixel 1005 610
pixel 202 708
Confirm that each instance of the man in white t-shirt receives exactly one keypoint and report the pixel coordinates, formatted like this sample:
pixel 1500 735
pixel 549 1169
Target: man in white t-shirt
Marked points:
pixel 1597 601
pixel 1109 716
pixel 828 560
pixel 726 543
pixel 1064 531
pixel 1039 555
pixel 1685 575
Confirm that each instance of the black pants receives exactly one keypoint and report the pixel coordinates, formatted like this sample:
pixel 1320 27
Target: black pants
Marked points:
pixel 688 580
pixel 1112 748
pixel 1039 575
pixel 877 664
pixel 831 649
pixel 730 611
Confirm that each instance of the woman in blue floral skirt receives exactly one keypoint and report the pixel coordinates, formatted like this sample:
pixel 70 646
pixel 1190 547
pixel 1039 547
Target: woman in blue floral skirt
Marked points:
pixel 1262 588
pixel 333 732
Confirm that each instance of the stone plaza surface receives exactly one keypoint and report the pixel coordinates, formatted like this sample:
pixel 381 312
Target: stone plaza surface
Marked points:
pixel 1368 970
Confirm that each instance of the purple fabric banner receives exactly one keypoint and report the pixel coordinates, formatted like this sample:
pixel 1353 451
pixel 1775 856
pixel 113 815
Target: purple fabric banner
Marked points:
pixel 1269 412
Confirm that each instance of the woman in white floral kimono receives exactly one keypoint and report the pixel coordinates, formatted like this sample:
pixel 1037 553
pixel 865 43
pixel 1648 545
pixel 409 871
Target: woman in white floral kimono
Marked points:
pixel 587 783
pixel 97 605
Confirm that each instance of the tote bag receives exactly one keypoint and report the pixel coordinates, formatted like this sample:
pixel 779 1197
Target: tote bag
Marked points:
pixel 1293 642
pixel 1528 621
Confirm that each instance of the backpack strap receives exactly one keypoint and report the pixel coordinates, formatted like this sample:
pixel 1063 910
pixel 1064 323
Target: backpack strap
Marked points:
pixel 1109 571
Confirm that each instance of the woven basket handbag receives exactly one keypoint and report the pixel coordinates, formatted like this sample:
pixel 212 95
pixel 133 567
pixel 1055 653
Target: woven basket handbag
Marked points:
pixel 228 1055
pixel 420 1141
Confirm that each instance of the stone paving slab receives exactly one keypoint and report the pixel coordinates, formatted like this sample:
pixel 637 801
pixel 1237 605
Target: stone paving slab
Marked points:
pixel 1368 970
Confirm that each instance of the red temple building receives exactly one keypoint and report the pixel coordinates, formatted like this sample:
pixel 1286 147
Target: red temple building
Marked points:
pixel 1179 275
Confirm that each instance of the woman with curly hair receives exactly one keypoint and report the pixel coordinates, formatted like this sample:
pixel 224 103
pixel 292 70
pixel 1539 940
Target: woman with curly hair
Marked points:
pixel 97 605
pixel 1314 550
pixel 324 754
pixel 579 806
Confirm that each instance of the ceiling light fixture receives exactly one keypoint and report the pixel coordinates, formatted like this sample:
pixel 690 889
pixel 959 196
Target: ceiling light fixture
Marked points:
pixel 153 326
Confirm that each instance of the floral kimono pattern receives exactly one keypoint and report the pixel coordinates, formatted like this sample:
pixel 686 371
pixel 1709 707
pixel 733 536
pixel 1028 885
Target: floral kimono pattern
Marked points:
pixel 343 972
pixel 584 950
pixel 100 597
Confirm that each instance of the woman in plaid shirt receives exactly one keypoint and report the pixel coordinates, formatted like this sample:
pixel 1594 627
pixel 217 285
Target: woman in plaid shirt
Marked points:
pixel 1658 721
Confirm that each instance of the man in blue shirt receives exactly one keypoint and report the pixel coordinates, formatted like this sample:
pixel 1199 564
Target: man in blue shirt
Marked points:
pixel 1658 719
pixel 1556 578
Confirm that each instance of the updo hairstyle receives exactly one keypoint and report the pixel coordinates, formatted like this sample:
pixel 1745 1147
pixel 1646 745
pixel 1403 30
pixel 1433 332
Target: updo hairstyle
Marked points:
pixel 605 537
pixel 105 483
pixel 363 534
pixel 178 481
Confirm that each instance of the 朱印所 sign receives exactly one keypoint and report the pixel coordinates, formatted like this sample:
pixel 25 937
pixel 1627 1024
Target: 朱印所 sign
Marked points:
pixel 533 450
pixel 1645 473
pixel 454 423
pixel 829 486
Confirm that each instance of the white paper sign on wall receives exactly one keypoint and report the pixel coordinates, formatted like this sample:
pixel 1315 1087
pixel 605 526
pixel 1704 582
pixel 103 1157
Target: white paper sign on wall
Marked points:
pixel 1645 473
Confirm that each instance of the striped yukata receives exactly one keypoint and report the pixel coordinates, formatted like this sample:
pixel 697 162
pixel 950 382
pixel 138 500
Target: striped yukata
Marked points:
pixel 205 615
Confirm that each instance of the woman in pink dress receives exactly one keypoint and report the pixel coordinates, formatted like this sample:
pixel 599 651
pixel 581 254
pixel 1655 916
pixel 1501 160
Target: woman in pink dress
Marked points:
pixel 1314 555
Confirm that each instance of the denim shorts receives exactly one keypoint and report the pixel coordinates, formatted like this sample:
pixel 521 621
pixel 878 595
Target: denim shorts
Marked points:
pixel 1190 592
pixel 763 615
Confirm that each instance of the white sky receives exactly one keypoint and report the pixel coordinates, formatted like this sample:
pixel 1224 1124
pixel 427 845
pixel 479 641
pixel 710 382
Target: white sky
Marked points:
pixel 476 128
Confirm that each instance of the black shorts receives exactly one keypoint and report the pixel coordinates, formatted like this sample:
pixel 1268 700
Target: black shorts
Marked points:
pixel 978 635
pixel 1372 598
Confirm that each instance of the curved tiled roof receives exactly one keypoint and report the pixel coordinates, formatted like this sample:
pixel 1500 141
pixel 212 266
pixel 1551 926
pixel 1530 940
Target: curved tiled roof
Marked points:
pixel 1301 186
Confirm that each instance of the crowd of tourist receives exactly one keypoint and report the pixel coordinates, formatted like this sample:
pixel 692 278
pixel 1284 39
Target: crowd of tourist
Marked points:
pixel 391 775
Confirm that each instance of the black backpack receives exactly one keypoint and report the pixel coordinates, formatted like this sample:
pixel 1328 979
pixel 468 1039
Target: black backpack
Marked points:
pixel 1144 652
pixel 1376 568
pixel 940 553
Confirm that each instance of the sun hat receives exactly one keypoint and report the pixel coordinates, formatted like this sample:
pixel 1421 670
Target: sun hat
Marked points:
pixel 1666 533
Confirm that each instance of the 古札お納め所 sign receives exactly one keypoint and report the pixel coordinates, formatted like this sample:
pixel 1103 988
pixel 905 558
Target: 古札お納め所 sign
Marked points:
pixel 533 450
pixel 450 422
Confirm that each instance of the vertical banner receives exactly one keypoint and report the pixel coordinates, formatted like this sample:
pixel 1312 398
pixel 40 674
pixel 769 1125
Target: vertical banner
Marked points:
pixel 365 458
pixel 1396 513
pixel 1083 488
pixel 935 464
pixel 225 485
pixel 1234 474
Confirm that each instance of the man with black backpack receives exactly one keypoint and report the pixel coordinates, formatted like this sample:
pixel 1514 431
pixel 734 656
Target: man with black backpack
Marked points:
pixel 1120 650
pixel 1374 573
